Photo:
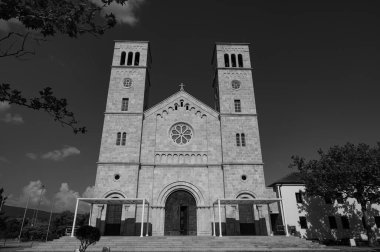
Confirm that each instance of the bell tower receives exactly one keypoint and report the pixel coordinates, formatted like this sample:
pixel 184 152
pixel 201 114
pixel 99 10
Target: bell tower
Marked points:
pixel 235 101
pixel 119 157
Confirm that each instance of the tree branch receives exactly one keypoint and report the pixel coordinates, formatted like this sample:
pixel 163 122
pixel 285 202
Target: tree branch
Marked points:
pixel 57 108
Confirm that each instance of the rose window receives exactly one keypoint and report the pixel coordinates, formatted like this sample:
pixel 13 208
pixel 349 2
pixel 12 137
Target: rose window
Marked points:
pixel 181 133
pixel 127 82
pixel 235 84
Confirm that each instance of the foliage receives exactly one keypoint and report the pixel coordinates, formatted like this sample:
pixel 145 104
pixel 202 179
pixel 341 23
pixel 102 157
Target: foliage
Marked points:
pixel 47 18
pixel 2 218
pixel 55 107
pixel 349 171
pixel 34 233
pixel 70 17
pixel 87 235
pixel 64 220
pixel 11 229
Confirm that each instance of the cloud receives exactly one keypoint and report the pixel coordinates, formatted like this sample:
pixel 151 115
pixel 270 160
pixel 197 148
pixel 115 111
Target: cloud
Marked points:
pixel 123 13
pixel 12 118
pixel 55 155
pixel 9 117
pixel 10 24
pixel 4 106
pixel 31 155
pixel 32 191
pixel 66 198
pixel 4 160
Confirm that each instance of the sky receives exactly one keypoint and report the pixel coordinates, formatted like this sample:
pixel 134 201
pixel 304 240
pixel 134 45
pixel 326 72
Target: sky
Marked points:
pixel 315 69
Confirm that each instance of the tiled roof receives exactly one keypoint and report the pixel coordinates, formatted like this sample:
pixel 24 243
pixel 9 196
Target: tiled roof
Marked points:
pixel 292 178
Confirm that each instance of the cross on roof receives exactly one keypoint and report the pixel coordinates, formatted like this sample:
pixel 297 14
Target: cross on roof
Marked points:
pixel 181 87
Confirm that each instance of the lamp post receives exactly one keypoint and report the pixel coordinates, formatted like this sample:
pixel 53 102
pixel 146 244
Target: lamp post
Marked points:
pixel 23 219
pixel 51 212
pixel 38 206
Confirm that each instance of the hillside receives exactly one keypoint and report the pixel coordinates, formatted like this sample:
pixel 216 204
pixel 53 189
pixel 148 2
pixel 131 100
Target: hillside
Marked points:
pixel 18 212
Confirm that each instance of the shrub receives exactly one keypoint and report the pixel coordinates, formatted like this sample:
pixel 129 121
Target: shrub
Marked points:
pixel 87 235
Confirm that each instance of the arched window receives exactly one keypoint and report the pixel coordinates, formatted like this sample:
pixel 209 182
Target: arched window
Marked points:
pixel 226 60
pixel 137 59
pixel 118 138
pixel 176 106
pixel 237 139
pixel 130 56
pixel 122 58
pixel 233 60
pixel 240 60
pixel 181 101
pixel 242 139
pixel 187 106
pixel 124 138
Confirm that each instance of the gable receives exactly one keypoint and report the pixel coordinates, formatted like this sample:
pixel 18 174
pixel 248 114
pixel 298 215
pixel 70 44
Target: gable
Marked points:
pixel 181 99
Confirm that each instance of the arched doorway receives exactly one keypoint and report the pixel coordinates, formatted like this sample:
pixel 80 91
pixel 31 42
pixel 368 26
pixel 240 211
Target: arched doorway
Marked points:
pixel 113 218
pixel 246 218
pixel 180 214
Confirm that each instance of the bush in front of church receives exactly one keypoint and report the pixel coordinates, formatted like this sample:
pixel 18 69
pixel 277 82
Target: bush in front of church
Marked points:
pixel 87 235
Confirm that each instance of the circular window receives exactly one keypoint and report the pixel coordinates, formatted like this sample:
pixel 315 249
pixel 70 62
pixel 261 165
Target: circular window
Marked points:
pixel 235 84
pixel 127 82
pixel 117 177
pixel 181 133
pixel 243 177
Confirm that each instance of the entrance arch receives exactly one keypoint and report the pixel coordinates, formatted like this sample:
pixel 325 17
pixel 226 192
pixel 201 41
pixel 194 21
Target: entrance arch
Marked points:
pixel 180 214
pixel 246 216
pixel 113 216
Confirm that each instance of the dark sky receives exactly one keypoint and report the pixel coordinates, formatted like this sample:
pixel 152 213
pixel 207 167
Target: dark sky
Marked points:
pixel 316 79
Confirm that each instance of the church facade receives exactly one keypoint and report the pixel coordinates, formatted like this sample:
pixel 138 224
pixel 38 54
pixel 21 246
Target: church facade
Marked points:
pixel 180 155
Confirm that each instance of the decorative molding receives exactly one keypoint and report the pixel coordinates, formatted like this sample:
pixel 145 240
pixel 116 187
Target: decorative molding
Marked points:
pixel 241 163
pixel 123 113
pixel 125 66
pixel 117 163
pixel 237 115
pixel 234 68
pixel 180 157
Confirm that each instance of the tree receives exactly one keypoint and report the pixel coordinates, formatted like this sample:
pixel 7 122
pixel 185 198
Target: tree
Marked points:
pixel 349 171
pixel 87 235
pixel 11 229
pixel 47 18
pixel 65 219
pixel 2 202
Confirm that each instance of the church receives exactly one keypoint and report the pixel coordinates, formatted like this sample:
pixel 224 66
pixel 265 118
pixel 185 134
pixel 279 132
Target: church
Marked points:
pixel 181 167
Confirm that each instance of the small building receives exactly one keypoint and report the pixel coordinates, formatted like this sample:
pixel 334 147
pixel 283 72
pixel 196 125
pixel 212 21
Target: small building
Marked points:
pixel 321 218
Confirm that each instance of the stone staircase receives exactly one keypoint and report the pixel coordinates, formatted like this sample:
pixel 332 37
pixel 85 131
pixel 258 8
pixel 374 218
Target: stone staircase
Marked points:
pixel 185 243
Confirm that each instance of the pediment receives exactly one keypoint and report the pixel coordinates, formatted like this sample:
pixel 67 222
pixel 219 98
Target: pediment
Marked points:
pixel 181 99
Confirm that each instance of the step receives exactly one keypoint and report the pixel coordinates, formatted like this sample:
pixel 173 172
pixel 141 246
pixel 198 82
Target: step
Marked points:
pixel 185 243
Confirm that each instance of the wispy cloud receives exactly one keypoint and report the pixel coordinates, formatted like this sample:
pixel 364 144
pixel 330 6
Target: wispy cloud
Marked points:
pixel 55 155
pixel 12 118
pixel 4 160
pixel 124 13
pixel 31 155
pixel 4 106
pixel 9 117
pixel 10 24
